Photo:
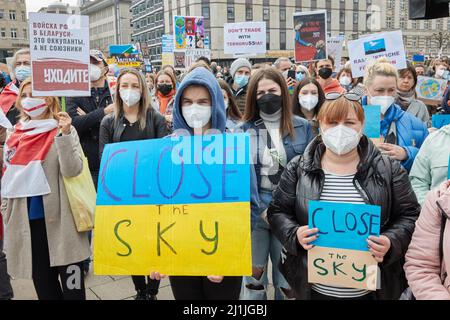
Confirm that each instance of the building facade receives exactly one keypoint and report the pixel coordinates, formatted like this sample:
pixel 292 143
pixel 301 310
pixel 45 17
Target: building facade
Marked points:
pixel 351 18
pixel 109 23
pixel 60 8
pixel 419 36
pixel 13 27
pixel 148 26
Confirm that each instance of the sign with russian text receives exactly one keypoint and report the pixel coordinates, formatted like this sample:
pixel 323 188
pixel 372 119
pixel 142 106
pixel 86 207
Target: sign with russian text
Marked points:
pixel 178 205
pixel 374 46
pixel 340 256
pixel 310 30
pixel 125 55
pixel 59 46
pixel 244 37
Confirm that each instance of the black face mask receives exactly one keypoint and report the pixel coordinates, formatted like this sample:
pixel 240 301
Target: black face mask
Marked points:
pixel 269 103
pixel 165 88
pixel 325 73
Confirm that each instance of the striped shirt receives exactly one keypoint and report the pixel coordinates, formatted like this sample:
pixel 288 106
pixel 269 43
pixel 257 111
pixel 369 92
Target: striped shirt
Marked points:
pixel 339 188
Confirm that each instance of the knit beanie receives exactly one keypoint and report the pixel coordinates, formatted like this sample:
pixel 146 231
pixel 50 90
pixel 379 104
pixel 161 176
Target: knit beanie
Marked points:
pixel 239 63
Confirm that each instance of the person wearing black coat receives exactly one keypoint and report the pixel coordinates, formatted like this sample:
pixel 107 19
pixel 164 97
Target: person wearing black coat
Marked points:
pixel 377 180
pixel 88 112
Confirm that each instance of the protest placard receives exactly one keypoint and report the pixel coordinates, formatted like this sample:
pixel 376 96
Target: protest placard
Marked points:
pixel 244 37
pixel 372 126
pixel 177 205
pixel 440 120
pixel 125 55
pixel 374 46
pixel 59 46
pixel 189 32
pixel 335 48
pixel 167 43
pixel 310 35
pixel 428 88
pixel 340 256
pixel 418 58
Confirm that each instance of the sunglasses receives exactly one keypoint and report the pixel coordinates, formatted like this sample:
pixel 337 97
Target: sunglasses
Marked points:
pixel 348 96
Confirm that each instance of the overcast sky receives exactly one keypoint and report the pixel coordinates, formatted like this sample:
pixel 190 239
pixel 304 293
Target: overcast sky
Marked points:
pixel 35 5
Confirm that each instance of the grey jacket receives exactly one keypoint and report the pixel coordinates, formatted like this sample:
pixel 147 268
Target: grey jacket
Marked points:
pixel 419 110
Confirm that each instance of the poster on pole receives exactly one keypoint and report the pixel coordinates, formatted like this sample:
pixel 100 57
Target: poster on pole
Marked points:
pixel 335 46
pixel 340 256
pixel 59 45
pixel 374 46
pixel 126 55
pixel 244 38
pixel 179 205
pixel 310 36
pixel 189 32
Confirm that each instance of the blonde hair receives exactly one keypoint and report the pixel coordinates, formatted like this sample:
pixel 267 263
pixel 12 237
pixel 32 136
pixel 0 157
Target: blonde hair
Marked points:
pixel 52 103
pixel 143 102
pixel 379 67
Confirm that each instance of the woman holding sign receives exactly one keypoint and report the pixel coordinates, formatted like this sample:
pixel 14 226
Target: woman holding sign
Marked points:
pixel 279 137
pixel 402 133
pixel 199 109
pixel 42 240
pixel 342 165
pixel 133 119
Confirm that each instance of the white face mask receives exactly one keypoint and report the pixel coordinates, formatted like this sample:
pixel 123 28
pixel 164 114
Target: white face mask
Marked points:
pixel 196 116
pixel 129 96
pixel 94 72
pixel 226 104
pixel 384 101
pixel 22 72
pixel 345 81
pixel 34 107
pixel 440 73
pixel 341 139
pixel 308 101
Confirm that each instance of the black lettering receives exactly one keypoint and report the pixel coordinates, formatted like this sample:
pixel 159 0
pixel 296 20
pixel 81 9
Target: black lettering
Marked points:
pixel 315 263
pixel 334 223
pixel 362 271
pixel 116 233
pixel 215 238
pixel 160 238
pixel 349 214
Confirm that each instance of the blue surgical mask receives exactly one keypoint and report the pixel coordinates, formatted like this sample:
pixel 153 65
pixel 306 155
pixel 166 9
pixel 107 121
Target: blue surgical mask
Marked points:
pixel 22 72
pixel 299 76
pixel 241 80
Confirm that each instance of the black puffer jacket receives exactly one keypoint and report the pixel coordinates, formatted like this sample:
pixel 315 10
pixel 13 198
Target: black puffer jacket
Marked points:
pixel 380 181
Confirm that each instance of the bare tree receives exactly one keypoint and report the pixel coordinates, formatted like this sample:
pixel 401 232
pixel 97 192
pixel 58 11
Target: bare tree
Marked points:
pixel 441 39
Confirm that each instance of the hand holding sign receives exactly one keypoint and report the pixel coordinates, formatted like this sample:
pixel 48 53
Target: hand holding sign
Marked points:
pixel 379 246
pixel 65 121
pixel 305 236
pixel 157 276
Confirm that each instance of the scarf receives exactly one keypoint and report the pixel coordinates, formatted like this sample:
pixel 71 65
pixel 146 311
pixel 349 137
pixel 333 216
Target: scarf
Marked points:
pixel 404 99
pixel 164 100
pixel 24 151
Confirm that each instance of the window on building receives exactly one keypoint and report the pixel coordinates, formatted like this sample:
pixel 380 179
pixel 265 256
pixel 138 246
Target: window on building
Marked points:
pixel 342 16
pixel 266 13
pixel 205 11
pixel 230 12
pixel 282 13
pixel 13 33
pixel 268 39
pixel 389 23
pixel 12 14
pixel 25 34
pixel 402 5
pixel 328 16
pixel 355 17
pixel 369 2
pixel 24 16
pixel 2 14
pixel 3 32
pixel 283 40
pixel 402 24
pixel 249 13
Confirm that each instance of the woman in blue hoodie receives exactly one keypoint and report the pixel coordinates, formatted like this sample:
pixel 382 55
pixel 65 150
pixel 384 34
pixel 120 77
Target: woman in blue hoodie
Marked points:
pixel 278 137
pixel 402 134
pixel 199 108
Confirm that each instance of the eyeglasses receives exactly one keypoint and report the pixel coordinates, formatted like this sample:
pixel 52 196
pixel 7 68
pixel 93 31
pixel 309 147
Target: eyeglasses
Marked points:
pixel 348 96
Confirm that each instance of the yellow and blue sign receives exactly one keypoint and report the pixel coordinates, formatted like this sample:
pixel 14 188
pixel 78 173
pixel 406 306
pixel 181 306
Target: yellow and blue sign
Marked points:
pixel 179 206
pixel 340 256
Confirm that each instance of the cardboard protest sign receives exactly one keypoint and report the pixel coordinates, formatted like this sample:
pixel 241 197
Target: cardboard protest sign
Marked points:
pixel 126 55
pixel 335 48
pixel 372 127
pixel 244 37
pixel 167 43
pixel 59 46
pixel 440 120
pixel 310 35
pixel 189 32
pixel 374 46
pixel 430 88
pixel 176 205
pixel 418 58
pixel 341 256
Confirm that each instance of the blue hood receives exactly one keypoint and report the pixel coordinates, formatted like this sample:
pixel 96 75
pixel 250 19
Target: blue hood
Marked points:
pixel 202 77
